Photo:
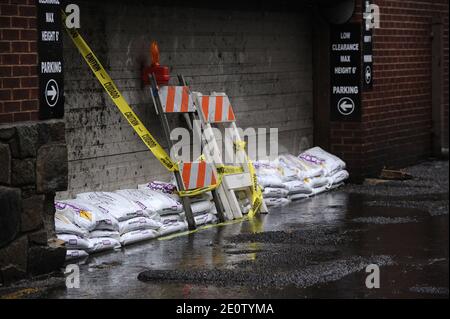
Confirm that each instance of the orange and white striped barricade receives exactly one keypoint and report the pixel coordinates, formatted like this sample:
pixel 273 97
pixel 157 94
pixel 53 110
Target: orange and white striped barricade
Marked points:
pixel 216 109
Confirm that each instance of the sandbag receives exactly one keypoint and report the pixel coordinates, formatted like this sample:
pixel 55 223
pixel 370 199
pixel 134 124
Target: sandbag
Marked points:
pixel 205 219
pixel 298 187
pixel 299 196
pixel 104 233
pixel 270 181
pixel 317 182
pixel 138 223
pixel 118 206
pixel 137 236
pixel 76 254
pixel 101 244
pixel 74 242
pixel 303 169
pixel 64 226
pixel 171 228
pixel 318 157
pixel 275 192
pixel 201 207
pixel 163 187
pixel 81 213
pixel 153 201
pixel 338 177
pixel 277 202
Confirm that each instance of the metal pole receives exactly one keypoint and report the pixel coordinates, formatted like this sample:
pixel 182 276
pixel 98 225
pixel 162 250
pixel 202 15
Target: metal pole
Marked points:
pixel 186 201
pixel 216 198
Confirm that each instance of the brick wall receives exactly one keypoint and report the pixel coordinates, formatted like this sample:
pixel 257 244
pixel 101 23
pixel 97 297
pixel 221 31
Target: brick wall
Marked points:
pixel 18 61
pixel 395 129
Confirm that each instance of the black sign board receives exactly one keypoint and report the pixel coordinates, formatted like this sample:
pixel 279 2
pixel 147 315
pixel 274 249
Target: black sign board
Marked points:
pixel 367 49
pixel 50 67
pixel 345 68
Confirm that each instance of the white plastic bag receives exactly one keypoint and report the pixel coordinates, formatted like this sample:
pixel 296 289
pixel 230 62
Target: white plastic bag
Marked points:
pixel 303 169
pixel 338 177
pixel 205 219
pixel 163 187
pixel 104 233
pixel 138 223
pixel 137 236
pixel 118 206
pixel 103 243
pixel 298 187
pixel 172 228
pixel 64 226
pixel 153 201
pixel 201 207
pixel 275 192
pixel 270 181
pixel 79 212
pixel 318 157
pixel 76 254
pixel 317 182
pixel 277 202
pixel 299 196
pixel 75 242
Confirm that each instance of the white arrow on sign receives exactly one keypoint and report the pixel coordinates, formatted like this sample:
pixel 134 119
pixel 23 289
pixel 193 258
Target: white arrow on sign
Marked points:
pixel 51 93
pixel 346 106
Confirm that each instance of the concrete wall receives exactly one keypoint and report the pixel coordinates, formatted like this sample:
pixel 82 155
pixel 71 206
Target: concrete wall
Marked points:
pixel 262 60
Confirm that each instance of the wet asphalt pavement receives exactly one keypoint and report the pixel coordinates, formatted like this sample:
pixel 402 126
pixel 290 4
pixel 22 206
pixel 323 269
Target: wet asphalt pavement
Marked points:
pixel 315 248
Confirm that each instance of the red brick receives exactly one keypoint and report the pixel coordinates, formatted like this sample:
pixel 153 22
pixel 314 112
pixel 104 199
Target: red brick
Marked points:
pixel 27 11
pixel 5 71
pixel 28 59
pixel 21 94
pixel 19 22
pixel 30 105
pixel 30 35
pixel 10 59
pixel 5 46
pixel 29 82
pixel 6 118
pixel 21 117
pixel 5 22
pixel 19 46
pixel 5 95
pixel 11 107
pixel 19 70
pixel 10 34
pixel 10 83
pixel 8 10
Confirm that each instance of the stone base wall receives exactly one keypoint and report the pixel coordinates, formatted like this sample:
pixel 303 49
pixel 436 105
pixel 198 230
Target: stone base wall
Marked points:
pixel 33 167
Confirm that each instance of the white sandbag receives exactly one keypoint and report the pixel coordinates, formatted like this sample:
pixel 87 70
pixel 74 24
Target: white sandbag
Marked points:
pixel 74 242
pixel 80 213
pixel 118 206
pixel 298 187
pixel 317 156
pixel 172 218
pixel 76 254
pixel 64 226
pixel 300 196
pixel 338 177
pixel 101 244
pixel 317 182
pixel 270 181
pixel 104 233
pixel 153 201
pixel 137 236
pixel 319 190
pixel 199 208
pixel 172 228
pixel 163 187
pixel 205 219
pixel 303 169
pixel 138 223
pixel 275 192
pixel 277 202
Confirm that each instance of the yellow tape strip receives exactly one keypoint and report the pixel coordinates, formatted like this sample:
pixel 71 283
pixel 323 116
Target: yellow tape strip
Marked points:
pixel 108 84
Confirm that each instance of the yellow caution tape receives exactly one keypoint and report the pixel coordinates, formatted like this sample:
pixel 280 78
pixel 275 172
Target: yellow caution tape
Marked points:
pixel 108 84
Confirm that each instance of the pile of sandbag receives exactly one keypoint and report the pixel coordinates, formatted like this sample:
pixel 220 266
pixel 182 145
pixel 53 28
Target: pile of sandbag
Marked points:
pixel 85 228
pixel 297 177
